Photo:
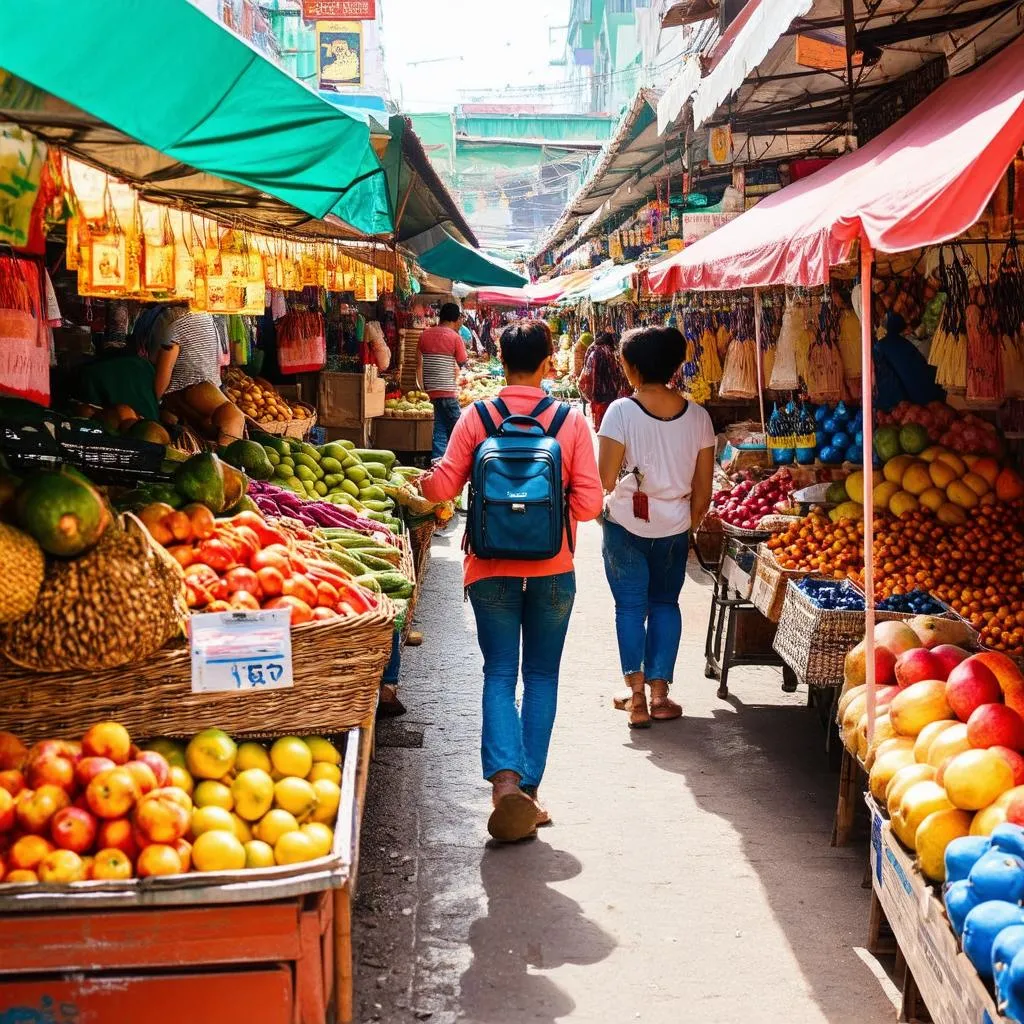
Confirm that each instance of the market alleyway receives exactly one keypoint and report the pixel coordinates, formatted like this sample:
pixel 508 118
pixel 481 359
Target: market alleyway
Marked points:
pixel 688 876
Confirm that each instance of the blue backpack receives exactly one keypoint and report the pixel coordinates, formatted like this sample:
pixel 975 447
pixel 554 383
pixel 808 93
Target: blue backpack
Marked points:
pixel 518 507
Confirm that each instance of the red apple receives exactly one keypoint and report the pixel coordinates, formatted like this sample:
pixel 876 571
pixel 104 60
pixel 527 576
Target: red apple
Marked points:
pixel 89 767
pixel 116 834
pixel 12 751
pixel 107 739
pixel 144 776
pixel 1015 811
pixel 970 685
pixel 161 817
pixel 158 766
pixel 35 807
pixel 917 665
pixel 995 725
pixel 949 656
pixel 73 829
pixel 113 793
pixel 1014 760
pixel 50 765
pixel 7 815
pixel 12 780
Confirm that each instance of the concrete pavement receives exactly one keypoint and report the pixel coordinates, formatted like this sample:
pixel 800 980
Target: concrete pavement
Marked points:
pixel 687 878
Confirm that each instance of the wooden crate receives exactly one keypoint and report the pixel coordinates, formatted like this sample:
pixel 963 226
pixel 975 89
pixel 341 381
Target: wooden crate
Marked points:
pixel 349 399
pixel 403 435
pixel 409 342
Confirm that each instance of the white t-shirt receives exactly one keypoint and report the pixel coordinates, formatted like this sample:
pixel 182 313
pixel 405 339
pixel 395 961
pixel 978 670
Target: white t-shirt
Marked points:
pixel 665 452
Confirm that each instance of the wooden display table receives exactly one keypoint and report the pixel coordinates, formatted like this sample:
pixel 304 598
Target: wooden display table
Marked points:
pixel 261 947
pixel 937 973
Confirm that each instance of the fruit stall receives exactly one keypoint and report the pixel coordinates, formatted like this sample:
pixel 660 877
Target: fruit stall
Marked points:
pixel 133 778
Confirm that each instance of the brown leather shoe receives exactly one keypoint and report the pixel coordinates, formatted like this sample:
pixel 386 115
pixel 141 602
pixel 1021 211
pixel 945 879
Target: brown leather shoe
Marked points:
pixel 515 814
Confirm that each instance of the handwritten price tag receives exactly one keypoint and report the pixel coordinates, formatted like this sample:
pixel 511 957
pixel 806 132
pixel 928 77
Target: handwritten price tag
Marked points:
pixel 237 651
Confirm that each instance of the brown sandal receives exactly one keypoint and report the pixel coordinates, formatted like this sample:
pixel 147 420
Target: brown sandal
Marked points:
pixel 515 813
pixel 663 708
pixel 621 700
pixel 639 717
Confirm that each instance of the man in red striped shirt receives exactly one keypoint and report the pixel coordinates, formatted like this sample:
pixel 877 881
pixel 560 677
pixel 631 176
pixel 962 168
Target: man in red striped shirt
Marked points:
pixel 441 353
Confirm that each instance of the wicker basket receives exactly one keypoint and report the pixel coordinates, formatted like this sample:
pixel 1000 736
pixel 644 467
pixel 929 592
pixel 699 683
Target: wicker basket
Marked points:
pixel 408 568
pixel 709 539
pixel 421 534
pixel 768 592
pixel 814 641
pixel 297 428
pixel 337 666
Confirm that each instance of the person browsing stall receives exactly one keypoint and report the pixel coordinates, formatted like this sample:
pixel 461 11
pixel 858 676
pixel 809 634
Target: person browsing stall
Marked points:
pixel 522 604
pixel 440 354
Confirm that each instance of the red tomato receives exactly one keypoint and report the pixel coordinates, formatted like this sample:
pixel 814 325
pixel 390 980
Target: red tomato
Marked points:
pixel 275 557
pixel 271 580
pixel 253 520
pixel 219 590
pixel 183 554
pixel 201 573
pixel 243 599
pixel 241 578
pixel 326 595
pixel 302 588
pixel 320 614
pixel 250 538
pixel 216 554
pixel 301 612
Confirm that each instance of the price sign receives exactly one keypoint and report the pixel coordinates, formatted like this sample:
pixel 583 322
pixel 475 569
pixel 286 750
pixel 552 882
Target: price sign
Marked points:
pixel 237 651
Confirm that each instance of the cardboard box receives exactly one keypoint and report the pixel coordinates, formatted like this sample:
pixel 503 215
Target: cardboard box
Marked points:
pixel 946 979
pixel 403 435
pixel 347 399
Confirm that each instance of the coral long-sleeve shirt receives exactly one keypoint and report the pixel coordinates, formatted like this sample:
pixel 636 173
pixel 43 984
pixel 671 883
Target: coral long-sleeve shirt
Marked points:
pixel 579 476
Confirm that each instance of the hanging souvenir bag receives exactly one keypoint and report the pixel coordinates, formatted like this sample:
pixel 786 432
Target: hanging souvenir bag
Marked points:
pixel 24 340
pixel 158 256
pixel 784 376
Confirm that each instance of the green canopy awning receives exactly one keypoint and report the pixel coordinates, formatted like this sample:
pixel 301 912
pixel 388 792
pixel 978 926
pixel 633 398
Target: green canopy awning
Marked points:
pixel 458 262
pixel 168 76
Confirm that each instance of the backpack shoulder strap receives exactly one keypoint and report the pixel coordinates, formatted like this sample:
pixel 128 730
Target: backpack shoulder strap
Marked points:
pixel 487 419
pixel 561 414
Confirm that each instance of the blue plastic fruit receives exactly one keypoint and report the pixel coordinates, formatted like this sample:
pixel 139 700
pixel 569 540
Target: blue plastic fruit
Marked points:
pixel 821 414
pixel 842 413
pixel 1009 942
pixel 858 438
pixel 854 453
pixel 962 854
pixel 981 927
pixel 998 876
pixel 1012 989
pixel 960 900
pixel 1009 838
pixel 829 425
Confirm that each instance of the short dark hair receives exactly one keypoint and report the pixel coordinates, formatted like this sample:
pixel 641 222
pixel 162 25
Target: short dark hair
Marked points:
pixel 524 345
pixel 656 353
pixel 450 312
pixel 607 338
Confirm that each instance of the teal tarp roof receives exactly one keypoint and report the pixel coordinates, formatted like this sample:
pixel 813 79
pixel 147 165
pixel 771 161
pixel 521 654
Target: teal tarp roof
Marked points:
pixel 458 262
pixel 168 76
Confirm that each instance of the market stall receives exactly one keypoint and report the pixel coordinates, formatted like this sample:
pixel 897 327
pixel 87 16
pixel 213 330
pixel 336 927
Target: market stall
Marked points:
pixel 898 586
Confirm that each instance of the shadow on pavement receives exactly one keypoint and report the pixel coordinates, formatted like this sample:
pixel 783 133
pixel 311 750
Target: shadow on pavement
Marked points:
pixel 527 925
pixel 762 769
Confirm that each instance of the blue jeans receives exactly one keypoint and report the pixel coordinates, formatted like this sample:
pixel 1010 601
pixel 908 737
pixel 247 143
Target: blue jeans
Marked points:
pixel 646 576
pixel 446 414
pixel 532 614
pixel 394 665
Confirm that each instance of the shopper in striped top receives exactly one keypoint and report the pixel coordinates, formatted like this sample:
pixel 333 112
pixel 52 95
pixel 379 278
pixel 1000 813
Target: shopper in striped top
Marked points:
pixel 441 353
pixel 186 350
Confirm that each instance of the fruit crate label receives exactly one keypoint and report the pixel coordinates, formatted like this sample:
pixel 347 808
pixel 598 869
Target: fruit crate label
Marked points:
pixel 233 652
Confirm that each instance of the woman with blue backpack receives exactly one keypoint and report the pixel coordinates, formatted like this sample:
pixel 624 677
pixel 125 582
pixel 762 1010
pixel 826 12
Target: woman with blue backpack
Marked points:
pixel 657 458
pixel 533 476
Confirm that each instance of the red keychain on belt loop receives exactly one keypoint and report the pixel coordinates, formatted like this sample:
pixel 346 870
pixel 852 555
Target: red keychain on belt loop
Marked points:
pixel 641 506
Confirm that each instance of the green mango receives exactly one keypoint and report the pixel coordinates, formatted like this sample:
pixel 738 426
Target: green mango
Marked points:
pixel 331 465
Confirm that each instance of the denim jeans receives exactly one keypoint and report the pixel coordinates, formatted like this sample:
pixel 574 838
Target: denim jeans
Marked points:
pixel 446 414
pixel 646 576
pixel 394 665
pixel 532 614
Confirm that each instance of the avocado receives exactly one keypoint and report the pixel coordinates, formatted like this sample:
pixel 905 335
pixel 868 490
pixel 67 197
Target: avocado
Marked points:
pixel 236 483
pixel 148 430
pixel 201 479
pixel 249 457
pixel 278 444
pixel 245 504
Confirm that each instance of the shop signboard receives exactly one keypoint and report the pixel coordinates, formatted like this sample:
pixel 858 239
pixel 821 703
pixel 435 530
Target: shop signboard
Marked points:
pixel 339 10
pixel 699 225
pixel 340 53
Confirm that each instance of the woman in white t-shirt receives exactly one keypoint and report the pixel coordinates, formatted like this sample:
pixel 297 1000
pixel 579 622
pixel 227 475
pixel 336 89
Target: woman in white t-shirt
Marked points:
pixel 656 459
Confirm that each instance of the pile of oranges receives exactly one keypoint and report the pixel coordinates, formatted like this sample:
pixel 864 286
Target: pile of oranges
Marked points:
pixel 976 567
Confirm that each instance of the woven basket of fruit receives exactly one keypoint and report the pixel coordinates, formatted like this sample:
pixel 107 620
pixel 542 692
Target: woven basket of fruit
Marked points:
pixel 823 620
pixel 768 590
pixel 337 667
